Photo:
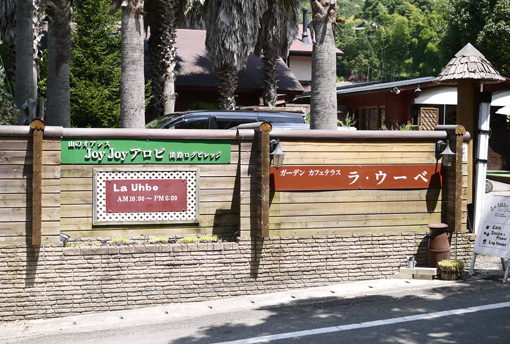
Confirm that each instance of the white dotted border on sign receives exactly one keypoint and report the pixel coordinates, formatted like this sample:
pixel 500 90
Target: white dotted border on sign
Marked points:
pixel 174 216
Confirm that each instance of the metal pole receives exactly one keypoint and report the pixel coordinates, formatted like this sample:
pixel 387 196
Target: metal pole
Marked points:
pixel 482 156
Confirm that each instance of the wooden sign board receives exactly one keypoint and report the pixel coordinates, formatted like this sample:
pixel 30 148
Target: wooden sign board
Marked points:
pixel 356 177
pixel 132 151
pixel 493 235
pixel 145 195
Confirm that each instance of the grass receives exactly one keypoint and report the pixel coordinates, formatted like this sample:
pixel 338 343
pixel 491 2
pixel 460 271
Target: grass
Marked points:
pixel 158 240
pixel 204 238
pixel 120 240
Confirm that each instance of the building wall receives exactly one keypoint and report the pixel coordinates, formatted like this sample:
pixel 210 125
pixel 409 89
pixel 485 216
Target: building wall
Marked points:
pixel 301 67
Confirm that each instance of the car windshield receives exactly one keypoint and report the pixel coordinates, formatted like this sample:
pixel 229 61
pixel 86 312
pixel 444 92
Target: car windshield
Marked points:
pixel 220 119
pixel 190 123
pixel 277 118
pixel 227 122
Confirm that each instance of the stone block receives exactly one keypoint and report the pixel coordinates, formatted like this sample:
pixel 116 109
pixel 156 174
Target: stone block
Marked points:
pixel 419 271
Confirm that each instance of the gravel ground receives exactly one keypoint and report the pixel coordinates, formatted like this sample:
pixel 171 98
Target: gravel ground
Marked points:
pixel 486 266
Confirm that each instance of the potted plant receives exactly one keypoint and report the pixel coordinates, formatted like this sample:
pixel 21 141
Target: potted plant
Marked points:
pixel 451 269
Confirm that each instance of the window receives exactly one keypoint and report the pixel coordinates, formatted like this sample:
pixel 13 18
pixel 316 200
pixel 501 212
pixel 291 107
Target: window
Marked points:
pixel 370 118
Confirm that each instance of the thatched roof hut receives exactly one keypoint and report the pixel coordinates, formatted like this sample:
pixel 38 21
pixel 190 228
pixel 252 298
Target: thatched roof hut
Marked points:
pixel 469 63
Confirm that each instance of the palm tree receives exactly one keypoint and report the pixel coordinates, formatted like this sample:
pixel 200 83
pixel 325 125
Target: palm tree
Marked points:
pixel 323 105
pixel 232 32
pixel 162 17
pixel 58 111
pixel 28 18
pixel 132 85
pixel 8 30
pixel 279 26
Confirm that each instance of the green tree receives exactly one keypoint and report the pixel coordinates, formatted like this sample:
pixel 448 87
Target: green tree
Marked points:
pixel 162 17
pixel 9 114
pixel 399 44
pixel 8 32
pixel 495 35
pixel 279 26
pixel 232 32
pixel 95 66
pixel 465 21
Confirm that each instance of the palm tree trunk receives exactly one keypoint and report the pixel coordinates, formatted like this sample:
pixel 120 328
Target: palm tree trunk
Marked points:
pixel 162 17
pixel 8 33
pixel 25 89
pixel 270 71
pixel 58 108
pixel 323 106
pixel 154 44
pixel 227 85
pixel 132 85
pixel 169 54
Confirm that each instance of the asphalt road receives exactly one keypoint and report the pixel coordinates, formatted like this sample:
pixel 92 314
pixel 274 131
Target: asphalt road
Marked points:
pixel 472 311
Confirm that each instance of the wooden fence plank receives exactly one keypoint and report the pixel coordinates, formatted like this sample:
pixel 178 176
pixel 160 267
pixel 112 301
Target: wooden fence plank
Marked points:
pixel 337 231
pixel 355 196
pixel 308 209
pixel 20 200
pixel 16 186
pixel 289 146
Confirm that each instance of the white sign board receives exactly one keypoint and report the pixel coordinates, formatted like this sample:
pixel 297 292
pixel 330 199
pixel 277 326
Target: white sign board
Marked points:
pixel 493 235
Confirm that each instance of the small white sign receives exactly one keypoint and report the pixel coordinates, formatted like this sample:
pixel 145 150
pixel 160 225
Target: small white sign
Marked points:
pixel 493 235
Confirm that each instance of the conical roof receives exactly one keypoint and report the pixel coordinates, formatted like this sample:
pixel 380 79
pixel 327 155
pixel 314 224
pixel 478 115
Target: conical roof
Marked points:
pixel 469 63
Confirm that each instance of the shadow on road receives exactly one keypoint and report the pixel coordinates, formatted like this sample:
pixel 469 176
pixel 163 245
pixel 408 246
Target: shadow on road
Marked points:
pixel 338 310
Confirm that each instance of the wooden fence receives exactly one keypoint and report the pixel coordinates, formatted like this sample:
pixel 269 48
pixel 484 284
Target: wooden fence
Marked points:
pixel 42 197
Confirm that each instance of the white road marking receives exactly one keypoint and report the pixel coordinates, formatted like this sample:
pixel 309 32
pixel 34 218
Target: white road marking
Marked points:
pixel 425 316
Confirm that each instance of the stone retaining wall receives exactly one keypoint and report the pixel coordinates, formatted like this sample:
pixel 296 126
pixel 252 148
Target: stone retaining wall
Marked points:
pixel 55 281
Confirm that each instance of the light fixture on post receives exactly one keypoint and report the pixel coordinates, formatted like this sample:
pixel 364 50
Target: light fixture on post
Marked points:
pixel 444 151
pixel 277 154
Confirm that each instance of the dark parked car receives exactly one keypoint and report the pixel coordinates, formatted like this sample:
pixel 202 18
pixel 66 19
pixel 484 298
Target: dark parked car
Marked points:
pixel 216 119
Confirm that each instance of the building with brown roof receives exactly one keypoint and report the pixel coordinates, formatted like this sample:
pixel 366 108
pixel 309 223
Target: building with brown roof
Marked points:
pixel 197 85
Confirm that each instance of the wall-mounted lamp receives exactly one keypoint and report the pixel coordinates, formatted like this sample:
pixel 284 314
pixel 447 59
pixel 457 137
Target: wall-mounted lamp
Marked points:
pixel 396 90
pixel 64 238
pixel 444 151
pixel 276 153
pixel 417 91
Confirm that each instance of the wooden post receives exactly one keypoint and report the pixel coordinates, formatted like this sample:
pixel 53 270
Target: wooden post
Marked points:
pixel 259 188
pixel 459 141
pixel 263 231
pixel 37 127
pixel 468 91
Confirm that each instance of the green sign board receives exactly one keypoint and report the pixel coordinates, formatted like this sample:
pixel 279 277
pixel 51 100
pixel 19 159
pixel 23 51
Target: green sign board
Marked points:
pixel 116 151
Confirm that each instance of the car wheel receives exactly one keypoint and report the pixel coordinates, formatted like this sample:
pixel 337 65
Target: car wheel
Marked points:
pixel 488 186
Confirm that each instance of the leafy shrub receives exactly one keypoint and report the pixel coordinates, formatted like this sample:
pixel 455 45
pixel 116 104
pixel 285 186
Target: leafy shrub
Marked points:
pixel 189 239
pixel 9 114
pixel 208 238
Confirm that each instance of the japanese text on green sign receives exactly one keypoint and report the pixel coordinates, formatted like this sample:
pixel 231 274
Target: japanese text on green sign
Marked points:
pixel 116 151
